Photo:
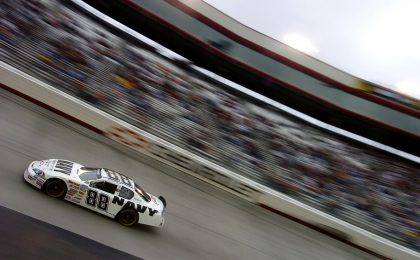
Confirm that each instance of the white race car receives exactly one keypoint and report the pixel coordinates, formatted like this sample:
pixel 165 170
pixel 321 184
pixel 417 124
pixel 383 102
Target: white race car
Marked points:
pixel 101 190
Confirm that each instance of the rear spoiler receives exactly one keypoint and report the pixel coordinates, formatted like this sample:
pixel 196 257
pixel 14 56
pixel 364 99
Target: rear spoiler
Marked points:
pixel 163 201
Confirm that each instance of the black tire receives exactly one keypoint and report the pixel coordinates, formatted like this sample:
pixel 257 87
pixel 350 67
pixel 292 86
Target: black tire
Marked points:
pixel 127 217
pixel 55 188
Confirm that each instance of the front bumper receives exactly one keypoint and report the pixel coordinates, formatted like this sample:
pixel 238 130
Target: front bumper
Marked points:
pixel 31 177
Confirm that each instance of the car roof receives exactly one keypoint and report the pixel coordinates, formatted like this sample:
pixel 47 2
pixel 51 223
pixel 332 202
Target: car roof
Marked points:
pixel 116 178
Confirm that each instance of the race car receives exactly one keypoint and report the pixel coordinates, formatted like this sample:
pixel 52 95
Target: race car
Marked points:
pixel 102 190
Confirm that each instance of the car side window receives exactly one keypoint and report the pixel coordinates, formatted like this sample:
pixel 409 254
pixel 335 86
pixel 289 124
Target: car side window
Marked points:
pixel 105 186
pixel 126 193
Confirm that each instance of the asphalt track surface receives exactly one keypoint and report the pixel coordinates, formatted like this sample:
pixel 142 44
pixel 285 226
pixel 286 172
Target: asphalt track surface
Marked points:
pixel 51 242
pixel 202 222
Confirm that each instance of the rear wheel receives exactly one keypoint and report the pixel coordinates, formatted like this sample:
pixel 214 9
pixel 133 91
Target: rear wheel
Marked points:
pixel 55 188
pixel 128 217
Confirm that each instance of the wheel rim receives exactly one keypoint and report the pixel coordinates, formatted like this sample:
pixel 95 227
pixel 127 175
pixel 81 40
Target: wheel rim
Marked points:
pixel 128 218
pixel 55 189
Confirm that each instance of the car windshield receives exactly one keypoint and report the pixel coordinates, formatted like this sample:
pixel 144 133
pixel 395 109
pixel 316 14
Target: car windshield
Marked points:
pixel 89 174
pixel 142 193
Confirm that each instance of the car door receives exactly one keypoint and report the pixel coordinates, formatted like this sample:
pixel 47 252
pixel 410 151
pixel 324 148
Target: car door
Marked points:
pixel 99 196
pixel 123 196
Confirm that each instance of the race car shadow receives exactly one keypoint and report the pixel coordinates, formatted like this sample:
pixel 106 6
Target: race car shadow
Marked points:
pixel 138 227
pixel 146 229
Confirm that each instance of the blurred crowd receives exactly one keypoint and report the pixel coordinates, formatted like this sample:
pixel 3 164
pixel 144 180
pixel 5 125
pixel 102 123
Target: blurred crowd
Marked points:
pixel 64 48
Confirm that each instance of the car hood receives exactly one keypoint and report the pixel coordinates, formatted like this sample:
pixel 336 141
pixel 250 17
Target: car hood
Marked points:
pixel 45 165
pixel 58 166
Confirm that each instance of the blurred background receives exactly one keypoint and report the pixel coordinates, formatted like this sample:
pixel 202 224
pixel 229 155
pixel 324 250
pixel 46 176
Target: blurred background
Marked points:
pixel 363 185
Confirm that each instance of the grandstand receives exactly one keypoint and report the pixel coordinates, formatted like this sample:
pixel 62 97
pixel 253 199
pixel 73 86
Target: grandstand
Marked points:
pixel 181 28
pixel 131 80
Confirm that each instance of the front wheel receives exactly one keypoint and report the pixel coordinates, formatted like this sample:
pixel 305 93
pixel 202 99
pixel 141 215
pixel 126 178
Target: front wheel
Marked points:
pixel 128 217
pixel 55 188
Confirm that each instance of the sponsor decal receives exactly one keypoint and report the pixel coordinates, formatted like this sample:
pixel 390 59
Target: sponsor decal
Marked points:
pixel 127 137
pixel 118 177
pixel 74 183
pixel 41 163
pixel 129 204
pixel 72 192
pixel 76 200
pixel 38 179
pixel 63 167
pixel 39 176
pixel 73 188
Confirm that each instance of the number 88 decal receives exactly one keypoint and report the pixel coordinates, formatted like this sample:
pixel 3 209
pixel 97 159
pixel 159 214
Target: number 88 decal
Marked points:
pixel 91 199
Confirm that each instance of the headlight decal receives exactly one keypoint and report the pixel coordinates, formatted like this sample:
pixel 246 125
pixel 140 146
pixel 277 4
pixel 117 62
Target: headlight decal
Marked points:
pixel 39 173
